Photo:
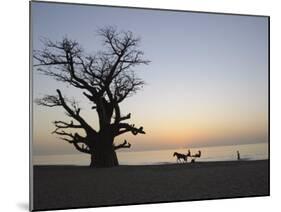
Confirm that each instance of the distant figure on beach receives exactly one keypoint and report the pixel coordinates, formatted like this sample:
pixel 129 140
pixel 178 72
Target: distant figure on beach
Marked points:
pixel 238 155
pixel 197 155
pixel 188 153
pixel 180 156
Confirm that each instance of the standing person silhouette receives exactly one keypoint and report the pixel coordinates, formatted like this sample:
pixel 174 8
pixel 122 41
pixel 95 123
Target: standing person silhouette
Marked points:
pixel 238 155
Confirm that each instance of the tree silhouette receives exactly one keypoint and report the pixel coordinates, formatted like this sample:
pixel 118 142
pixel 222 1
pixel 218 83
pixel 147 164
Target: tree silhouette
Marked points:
pixel 106 79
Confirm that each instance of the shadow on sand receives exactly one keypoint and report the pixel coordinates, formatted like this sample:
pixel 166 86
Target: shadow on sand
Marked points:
pixel 23 206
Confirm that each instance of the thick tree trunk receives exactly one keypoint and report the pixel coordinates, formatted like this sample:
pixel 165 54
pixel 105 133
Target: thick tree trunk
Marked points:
pixel 104 158
pixel 104 155
pixel 92 164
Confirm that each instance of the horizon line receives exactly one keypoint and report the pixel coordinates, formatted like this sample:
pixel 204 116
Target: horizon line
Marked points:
pixel 150 150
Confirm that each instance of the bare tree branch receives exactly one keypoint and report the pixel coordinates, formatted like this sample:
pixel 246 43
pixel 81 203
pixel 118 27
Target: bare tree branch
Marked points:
pixel 64 125
pixel 124 127
pixel 49 101
pixel 125 144
pixel 74 113
pixel 125 117
pixel 78 141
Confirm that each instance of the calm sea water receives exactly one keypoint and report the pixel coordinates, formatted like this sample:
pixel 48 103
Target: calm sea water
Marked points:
pixel 217 153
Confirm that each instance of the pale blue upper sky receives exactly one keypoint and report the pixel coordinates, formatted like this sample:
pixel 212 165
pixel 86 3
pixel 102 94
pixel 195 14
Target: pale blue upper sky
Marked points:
pixel 208 77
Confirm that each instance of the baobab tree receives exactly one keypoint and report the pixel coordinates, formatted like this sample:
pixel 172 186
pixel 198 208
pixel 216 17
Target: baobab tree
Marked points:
pixel 106 79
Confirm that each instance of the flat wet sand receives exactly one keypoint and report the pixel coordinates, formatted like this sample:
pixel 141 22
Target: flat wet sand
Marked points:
pixel 58 187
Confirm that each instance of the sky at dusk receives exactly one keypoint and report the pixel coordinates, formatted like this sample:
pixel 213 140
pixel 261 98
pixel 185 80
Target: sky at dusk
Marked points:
pixel 207 83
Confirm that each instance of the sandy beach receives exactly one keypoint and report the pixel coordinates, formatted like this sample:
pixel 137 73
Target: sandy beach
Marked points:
pixel 58 187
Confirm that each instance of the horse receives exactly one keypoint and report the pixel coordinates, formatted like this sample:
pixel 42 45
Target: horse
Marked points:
pixel 180 156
